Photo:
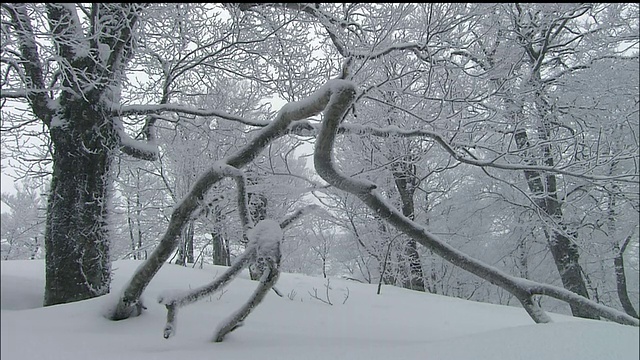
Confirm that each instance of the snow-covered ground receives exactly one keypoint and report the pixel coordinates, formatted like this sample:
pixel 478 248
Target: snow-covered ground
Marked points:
pixel 398 324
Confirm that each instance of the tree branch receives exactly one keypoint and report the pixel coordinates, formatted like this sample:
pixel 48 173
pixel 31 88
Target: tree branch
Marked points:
pixel 366 191
pixel 128 303
pixel 34 81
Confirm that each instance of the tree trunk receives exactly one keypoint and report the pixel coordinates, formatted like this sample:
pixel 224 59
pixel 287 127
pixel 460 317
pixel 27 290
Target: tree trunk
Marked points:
pixel 189 249
pixel 76 237
pixel 185 251
pixel 563 249
pixel 621 278
pixel 219 250
pixel 258 211
pixel 406 182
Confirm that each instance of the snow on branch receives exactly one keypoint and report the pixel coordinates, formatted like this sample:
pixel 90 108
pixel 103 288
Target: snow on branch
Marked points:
pixel 366 191
pixel 144 150
pixel 174 299
pixel 329 22
pixel 68 36
pixel 264 249
pixel 325 98
pixel 127 110
pixel 298 214
pixel 34 79
pixel 304 128
pixel 451 149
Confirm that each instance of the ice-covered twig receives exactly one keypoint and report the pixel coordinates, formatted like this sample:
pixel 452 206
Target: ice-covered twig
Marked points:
pixel 128 110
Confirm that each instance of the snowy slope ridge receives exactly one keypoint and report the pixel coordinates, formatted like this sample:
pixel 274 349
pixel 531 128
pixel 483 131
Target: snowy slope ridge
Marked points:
pixel 398 324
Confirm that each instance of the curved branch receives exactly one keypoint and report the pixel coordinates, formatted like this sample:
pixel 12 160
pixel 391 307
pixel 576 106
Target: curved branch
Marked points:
pixel 174 301
pixel 128 304
pixel 366 191
pixel 267 280
pixel 451 149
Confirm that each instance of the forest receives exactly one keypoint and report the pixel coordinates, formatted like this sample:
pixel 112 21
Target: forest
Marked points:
pixel 488 152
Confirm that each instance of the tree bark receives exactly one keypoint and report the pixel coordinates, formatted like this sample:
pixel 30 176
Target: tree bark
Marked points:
pixel 76 237
pixel 185 250
pixel 258 211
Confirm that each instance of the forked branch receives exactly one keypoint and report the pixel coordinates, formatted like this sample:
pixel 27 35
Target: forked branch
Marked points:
pixel 129 303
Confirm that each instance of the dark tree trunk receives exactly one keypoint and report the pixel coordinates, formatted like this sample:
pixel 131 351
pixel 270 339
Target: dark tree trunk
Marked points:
pixel 220 256
pixel 82 134
pixel 621 278
pixel 406 183
pixel 220 248
pixel 190 257
pixel 185 250
pixel 564 250
pixel 76 238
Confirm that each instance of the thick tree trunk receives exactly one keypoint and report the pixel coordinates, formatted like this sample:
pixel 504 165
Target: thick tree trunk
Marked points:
pixel 76 238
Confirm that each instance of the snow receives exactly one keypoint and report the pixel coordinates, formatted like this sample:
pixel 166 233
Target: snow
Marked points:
pixel 149 147
pixel 266 235
pixel 104 51
pixel 398 324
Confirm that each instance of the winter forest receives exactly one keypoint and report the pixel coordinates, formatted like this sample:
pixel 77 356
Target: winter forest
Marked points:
pixel 488 152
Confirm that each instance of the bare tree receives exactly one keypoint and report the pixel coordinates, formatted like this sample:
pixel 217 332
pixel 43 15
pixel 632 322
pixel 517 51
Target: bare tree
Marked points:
pixel 70 82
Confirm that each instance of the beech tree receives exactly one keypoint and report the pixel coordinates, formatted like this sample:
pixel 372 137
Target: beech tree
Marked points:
pixel 70 81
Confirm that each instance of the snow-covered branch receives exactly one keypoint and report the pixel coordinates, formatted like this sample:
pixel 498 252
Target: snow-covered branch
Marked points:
pixel 34 78
pixel 304 128
pixel 326 97
pixel 68 36
pixel 367 192
pixel 298 214
pixel 264 249
pixel 127 110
